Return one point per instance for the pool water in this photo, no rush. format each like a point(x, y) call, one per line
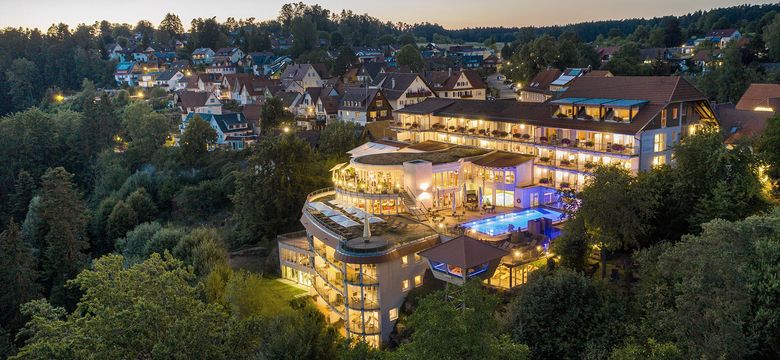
point(499, 225)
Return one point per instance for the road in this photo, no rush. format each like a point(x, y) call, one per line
point(504, 91)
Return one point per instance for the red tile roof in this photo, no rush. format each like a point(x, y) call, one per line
point(758, 95)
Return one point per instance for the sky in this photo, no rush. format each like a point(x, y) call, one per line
point(451, 14)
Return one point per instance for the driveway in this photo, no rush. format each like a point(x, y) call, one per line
point(496, 81)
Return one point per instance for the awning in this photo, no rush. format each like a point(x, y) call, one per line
point(338, 167)
point(344, 221)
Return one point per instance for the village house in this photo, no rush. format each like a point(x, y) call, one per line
point(170, 80)
point(403, 89)
point(551, 82)
point(299, 77)
point(196, 102)
point(362, 105)
point(233, 130)
point(464, 84)
point(127, 73)
point(233, 55)
point(202, 56)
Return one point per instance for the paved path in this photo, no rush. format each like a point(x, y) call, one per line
point(504, 91)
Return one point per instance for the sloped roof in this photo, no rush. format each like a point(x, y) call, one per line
point(359, 95)
point(541, 82)
point(738, 124)
point(191, 99)
point(758, 95)
point(722, 32)
point(464, 252)
point(394, 84)
point(446, 80)
point(656, 89)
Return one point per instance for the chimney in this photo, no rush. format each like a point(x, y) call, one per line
point(449, 71)
point(392, 83)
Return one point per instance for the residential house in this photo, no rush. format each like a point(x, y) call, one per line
point(606, 53)
point(362, 105)
point(747, 119)
point(233, 130)
point(464, 84)
point(403, 89)
point(368, 73)
point(233, 55)
point(706, 60)
point(127, 73)
point(267, 64)
point(202, 56)
point(369, 54)
point(222, 65)
point(299, 77)
point(197, 102)
point(170, 80)
point(721, 37)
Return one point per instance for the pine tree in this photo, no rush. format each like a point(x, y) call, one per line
point(65, 242)
point(24, 190)
point(17, 276)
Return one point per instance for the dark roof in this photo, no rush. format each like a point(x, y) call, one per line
point(429, 105)
point(446, 80)
point(357, 98)
point(722, 32)
point(541, 82)
point(655, 89)
point(371, 69)
point(758, 95)
point(252, 112)
point(191, 99)
point(502, 159)
point(394, 84)
point(738, 124)
point(464, 252)
point(287, 98)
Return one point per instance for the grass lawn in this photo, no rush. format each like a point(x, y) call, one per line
point(276, 296)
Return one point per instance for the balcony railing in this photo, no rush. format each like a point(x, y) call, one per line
point(366, 304)
point(357, 327)
point(587, 145)
point(354, 279)
point(333, 282)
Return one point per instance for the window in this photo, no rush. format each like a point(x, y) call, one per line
point(393, 314)
point(417, 280)
point(659, 160)
point(405, 285)
point(658, 142)
point(405, 260)
point(417, 257)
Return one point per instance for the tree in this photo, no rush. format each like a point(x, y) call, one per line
point(410, 56)
point(196, 139)
point(771, 37)
point(573, 246)
point(121, 220)
point(344, 60)
point(710, 294)
point(171, 24)
point(18, 276)
point(270, 194)
point(22, 78)
point(64, 217)
point(134, 244)
point(768, 147)
point(24, 190)
point(142, 204)
point(615, 211)
point(149, 310)
point(304, 32)
point(672, 33)
point(338, 138)
point(146, 130)
point(458, 323)
point(202, 248)
point(651, 350)
point(552, 311)
point(407, 39)
point(626, 61)
point(272, 114)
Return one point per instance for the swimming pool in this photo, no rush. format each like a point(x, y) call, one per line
point(499, 225)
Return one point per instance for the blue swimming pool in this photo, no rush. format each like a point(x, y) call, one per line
point(499, 224)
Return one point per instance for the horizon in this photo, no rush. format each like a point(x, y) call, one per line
point(60, 12)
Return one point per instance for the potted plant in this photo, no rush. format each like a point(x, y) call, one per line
point(452, 128)
point(517, 136)
point(461, 129)
point(543, 139)
point(618, 147)
point(565, 162)
point(544, 159)
point(482, 131)
point(544, 181)
point(588, 117)
point(565, 142)
point(589, 143)
point(565, 185)
point(589, 165)
point(562, 116)
point(415, 125)
point(472, 130)
point(526, 136)
point(503, 133)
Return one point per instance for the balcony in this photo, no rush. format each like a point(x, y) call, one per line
point(417, 94)
point(499, 135)
point(356, 326)
point(367, 280)
point(324, 294)
point(332, 281)
point(366, 304)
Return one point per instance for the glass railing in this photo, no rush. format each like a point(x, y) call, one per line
point(367, 304)
point(370, 328)
point(354, 278)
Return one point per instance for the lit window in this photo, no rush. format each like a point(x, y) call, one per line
point(393, 313)
point(417, 280)
point(404, 260)
point(659, 160)
point(405, 285)
point(417, 257)
point(659, 143)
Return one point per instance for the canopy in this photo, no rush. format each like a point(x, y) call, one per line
point(344, 221)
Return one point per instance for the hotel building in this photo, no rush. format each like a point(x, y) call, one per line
point(466, 173)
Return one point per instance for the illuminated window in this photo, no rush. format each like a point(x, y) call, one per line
point(405, 285)
point(659, 160)
point(393, 313)
point(417, 257)
point(404, 260)
point(417, 280)
point(659, 143)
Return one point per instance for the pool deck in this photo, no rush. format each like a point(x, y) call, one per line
point(447, 223)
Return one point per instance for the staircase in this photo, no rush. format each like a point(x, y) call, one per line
point(418, 212)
